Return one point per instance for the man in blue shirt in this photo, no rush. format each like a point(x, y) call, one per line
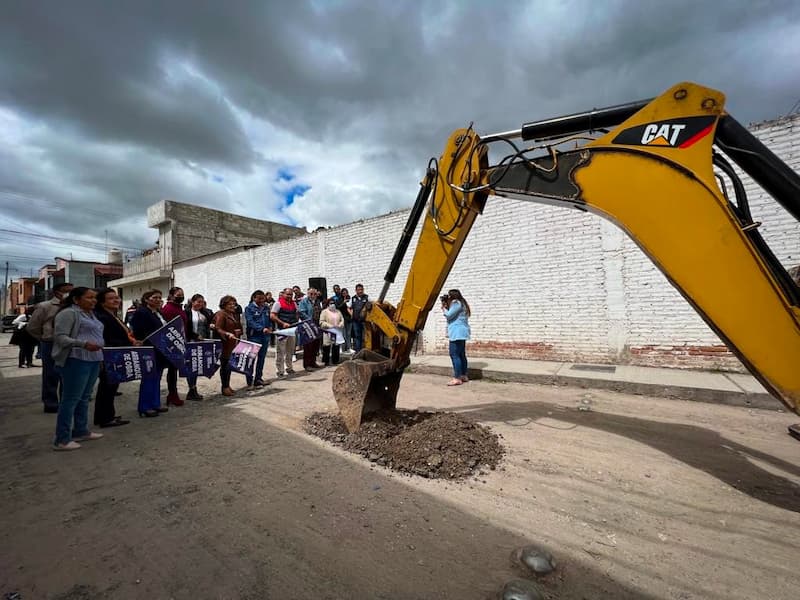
point(310, 308)
point(259, 328)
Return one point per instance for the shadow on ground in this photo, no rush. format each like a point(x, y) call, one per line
point(695, 446)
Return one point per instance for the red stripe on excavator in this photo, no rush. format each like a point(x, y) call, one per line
point(697, 137)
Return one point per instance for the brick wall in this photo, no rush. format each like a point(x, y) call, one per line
point(544, 282)
point(355, 253)
point(663, 328)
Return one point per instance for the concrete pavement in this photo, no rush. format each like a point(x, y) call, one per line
point(704, 386)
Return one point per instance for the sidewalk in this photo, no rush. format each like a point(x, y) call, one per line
point(704, 386)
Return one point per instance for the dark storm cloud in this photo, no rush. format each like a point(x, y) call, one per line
point(132, 102)
point(93, 68)
point(98, 188)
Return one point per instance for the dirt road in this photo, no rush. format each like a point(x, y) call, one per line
point(637, 497)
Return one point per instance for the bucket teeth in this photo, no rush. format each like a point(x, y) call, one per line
point(365, 384)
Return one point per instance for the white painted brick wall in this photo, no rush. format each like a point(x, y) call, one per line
point(543, 282)
point(659, 317)
point(136, 291)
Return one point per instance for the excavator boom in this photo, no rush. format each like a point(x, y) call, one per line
point(653, 174)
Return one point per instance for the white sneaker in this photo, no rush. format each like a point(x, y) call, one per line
point(89, 437)
point(67, 446)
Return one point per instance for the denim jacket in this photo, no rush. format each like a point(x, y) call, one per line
point(257, 318)
point(457, 323)
point(306, 308)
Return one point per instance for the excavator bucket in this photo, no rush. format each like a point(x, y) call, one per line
point(363, 385)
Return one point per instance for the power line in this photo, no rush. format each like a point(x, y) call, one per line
point(19, 252)
point(56, 249)
point(16, 224)
point(15, 195)
point(95, 245)
point(25, 257)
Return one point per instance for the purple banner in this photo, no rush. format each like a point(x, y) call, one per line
point(170, 340)
point(129, 364)
point(243, 358)
point(202, 358)
point(307, 331)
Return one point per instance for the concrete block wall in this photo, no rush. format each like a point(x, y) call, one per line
point(543, 282)
point(187, 231)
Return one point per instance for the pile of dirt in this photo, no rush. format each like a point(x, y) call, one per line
point(433, 445)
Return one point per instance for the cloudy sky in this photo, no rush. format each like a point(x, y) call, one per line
point(325, 111)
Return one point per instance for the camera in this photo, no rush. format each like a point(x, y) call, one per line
point(445, 299)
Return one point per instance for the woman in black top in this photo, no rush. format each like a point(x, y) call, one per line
point(199, 319)
point(114, 334)
point(147, 320)
point(198, 327)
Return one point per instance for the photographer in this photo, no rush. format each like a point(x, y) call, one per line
point(456, 311)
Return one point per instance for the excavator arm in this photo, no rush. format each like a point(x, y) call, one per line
point(652, 172)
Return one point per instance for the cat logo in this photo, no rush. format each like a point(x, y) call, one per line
point(662, 135)
point(672, 133)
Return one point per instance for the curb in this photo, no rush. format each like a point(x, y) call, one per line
point(663, 390)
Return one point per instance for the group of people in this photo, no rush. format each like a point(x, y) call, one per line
point(73, 327)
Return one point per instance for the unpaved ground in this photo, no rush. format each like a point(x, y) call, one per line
point(637, 498)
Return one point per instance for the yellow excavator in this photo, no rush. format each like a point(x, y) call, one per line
point(656, 168)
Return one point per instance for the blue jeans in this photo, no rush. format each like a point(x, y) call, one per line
point(262, 356)
point(150, 392)
point(77, 382)
point(348, 334)
point(358, 335)
point(458, 354)
point(50, 377)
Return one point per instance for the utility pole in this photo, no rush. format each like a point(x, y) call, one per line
point(5, 290)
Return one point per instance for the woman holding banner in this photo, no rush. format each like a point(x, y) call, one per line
point(198, 328)
point(146, 320)
point(229, 329)
point(332, 321)
point(77, 354)
point(115, 334)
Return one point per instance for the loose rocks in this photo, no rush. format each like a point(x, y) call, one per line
point(433, 445)
point(534, 559)
point(520, 589)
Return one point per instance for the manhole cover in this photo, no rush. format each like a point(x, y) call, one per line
point(599, 368)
